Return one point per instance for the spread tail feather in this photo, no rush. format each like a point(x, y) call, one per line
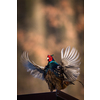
point(81, 83)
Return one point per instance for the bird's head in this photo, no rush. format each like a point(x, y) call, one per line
point(50, 58)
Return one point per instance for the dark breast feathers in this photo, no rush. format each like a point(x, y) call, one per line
point(53, 74)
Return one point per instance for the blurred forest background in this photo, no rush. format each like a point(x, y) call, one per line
point(45, 27)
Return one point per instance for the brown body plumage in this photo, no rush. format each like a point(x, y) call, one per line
point(55, 82)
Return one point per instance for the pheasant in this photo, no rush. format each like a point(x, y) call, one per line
point(57, 76)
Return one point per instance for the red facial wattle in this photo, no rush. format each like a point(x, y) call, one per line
point(49, 58)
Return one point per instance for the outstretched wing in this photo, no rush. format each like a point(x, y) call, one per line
point(70, 62)
point(35, 70)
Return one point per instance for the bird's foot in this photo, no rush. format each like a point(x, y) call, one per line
point(57, 92)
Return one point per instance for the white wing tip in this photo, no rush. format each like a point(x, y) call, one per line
point(71, 55)
point(62, 53)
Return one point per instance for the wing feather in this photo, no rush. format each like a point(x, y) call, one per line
point(67, 52)
point(70, 63)
point(62, 54)
point(34, 69)
point(72, 53)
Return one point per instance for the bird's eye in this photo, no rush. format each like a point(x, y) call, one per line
point(47, 58)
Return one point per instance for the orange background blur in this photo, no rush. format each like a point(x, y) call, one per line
point(45, 27)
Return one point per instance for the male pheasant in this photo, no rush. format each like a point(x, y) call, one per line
point(57, 76)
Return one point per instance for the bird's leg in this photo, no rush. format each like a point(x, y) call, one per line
point(56, 93)
point(56, 90)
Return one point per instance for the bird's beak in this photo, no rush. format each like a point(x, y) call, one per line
point(47, 58)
